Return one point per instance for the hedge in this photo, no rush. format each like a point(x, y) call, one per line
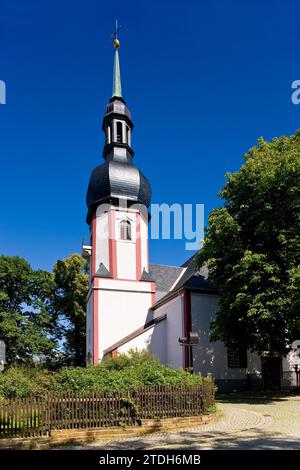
point(121, 373)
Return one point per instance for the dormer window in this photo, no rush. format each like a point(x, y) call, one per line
point(125, 230)
point(119, 132)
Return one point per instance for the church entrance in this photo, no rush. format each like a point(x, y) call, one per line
point(271, 370)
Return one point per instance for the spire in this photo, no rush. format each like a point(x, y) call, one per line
point(117, 124)
point(117, 87)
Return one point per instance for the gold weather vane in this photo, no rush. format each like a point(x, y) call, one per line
point(114, 36)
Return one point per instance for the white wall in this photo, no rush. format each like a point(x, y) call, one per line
point(139, 343)
point(123, 307)
point(101, 246)
point(126, 249)
point(170, 352)
point(153, 340)
point(212, 357)
point(144, 244)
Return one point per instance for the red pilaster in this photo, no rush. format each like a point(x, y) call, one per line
point(187, 325)
point(95, 324)
point(114, 353)
point(153, 293)
point(112, 244)
point(138, 248)
point(93, 267)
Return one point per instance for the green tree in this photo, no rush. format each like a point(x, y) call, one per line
point(26, 322)
point(252, 248)
point(69, 302)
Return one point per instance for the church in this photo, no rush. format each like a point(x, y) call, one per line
point(133, 304)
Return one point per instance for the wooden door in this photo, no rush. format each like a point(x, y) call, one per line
point(271, 370)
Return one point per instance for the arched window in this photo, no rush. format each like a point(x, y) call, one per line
point(119, 132)
point(125, 230)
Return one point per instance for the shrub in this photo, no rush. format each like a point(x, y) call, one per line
point(115, 374)
point(20, 382)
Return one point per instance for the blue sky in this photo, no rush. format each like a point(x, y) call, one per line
point(203, 80)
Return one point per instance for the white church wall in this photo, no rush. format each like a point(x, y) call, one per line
point(140, 343)
point(212, 356)
point(158, 341)
point(144, 244)
point(153, 340)
point(288, 362)
point(126, 249)
point(123, 308)
point(101, 246)
point(171, 353)
point(126, 264)
point(288, 378)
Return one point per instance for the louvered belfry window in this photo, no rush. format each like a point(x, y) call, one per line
point(119, 132)
point(125, 230)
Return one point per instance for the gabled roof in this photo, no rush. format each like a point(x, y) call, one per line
point(171, 279)
point(165, 277)
point(192, 277)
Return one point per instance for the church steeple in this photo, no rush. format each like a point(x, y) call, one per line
point(117, 87)
point(117, 124)
point(118, 198)
point(117, 178)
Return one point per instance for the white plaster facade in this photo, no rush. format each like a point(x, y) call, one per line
point(123, 312)
point(212, 356)
point(119, 303)
point(119, 306)
point(173, 353)
point(161, 340)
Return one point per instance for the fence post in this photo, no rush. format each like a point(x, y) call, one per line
point(49, 410)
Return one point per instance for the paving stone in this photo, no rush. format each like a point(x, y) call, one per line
point(256, 422)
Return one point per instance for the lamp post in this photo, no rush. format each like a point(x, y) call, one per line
point(189, 342)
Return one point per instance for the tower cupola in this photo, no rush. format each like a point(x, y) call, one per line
point(117, 178)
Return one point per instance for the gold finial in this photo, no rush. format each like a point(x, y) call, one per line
point(116, 41)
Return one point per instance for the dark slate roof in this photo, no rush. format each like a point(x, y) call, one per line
point(192, 278)
point(102, 271)
point(146, 276)
point(187, 276)
point(117, 180)
point(165, 277)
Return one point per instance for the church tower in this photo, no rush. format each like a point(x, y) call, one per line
point(118, 197)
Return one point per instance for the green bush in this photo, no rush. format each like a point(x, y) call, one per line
point(121, 373)
point(22, 381)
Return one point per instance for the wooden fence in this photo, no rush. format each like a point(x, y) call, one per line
point(37, 416)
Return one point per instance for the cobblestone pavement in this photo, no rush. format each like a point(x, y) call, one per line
point(257, 422)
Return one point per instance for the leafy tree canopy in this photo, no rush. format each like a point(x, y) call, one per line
point(70, 295)
point(25, 322)
point(252, 249)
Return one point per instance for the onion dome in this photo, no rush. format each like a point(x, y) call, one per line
point(117, 178)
